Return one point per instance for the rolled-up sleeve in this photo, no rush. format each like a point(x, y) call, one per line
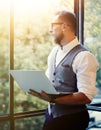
point(85, 67)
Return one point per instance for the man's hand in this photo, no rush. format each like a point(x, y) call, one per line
point(34, 93)
point(43, 95)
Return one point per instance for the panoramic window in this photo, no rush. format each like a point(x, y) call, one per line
point(4, 61)
point(32, 44)
point(92, 40)
point(4, 56)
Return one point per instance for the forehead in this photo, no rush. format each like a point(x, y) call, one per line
point(56, 19)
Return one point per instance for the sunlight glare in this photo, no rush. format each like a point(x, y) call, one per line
point(24, 6)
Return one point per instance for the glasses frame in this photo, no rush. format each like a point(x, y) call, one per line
point(56, 23)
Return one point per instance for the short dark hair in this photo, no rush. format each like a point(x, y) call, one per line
point(68, 17)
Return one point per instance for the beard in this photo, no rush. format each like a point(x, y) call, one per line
point(58, 38)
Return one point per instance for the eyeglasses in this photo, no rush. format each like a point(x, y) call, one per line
point(53, 24)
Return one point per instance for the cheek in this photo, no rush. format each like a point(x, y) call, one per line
point(56, 30)
point(59, 35)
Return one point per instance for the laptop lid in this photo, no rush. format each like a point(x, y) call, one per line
point(33, 79)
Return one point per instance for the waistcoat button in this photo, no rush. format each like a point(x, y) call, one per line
point(54, 73)
point(53, 81)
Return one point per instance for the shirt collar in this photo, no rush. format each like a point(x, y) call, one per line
point(70, 45)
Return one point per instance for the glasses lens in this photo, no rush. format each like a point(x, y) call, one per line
point(53, 24)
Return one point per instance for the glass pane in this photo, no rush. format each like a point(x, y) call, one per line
point(33, 42)
point(4, 56)
point(4, 125)
point(34, 123)
point(92, 40)
point(25, 102)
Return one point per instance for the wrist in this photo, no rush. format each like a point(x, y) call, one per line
point(53, 100)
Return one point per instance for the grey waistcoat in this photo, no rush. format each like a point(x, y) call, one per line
point(64, 80)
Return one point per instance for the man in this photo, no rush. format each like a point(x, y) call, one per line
point(71, 68)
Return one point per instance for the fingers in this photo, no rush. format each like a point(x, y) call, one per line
point(44, 94)
point(34, 93)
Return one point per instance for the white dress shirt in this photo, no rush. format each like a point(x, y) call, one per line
point(84, 66)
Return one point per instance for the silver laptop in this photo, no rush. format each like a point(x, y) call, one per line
point(36, 80)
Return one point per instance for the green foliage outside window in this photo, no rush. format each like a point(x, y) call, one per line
point(92, 32)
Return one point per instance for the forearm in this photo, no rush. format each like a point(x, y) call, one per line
point(75, 98)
